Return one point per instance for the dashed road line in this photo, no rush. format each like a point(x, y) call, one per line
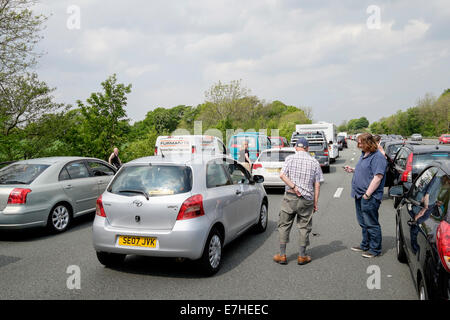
point(338, 193)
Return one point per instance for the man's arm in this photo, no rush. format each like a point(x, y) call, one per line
point(289, 183)
point(316, 195)
point(373, 185)
point(110, 157)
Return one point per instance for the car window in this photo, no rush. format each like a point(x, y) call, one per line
point(402, 157)
point(154, 180)
point(420, 161)
point(239, 141)
point(237, 173)
point(216, 175)
point(77, 170)
point(64, 175)
point(276, 142)
point(99, 169)
point(21, 173)
point(422, 183)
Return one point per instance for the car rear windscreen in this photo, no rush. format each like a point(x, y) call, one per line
point(275, 156)
point(21, 173)
point(422, 160)
point(275, 142)
point(153, 180)
point(316, 146)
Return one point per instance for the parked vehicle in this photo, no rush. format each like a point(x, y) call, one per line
point(51, 191)
point(416, 137)
point(318, 147)
point(269, 165)
point(423, 230)
point(279, 142)
point(410, 160)
point(175, 207)
point(445, 138)
point(391, 147)
point(330, 135)
point(342, 142)
point(189, 144)
point(257, 142)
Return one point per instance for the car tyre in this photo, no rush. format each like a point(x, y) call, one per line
point(59, 219)
point(211, 259)
point(109, 259)
point(263, 219)
point(401, 254)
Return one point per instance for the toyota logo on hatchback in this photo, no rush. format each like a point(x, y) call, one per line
point(137, 203)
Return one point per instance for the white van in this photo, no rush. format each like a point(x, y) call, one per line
point(330, 132)
point(186, 144)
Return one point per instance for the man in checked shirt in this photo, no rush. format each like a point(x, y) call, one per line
point(302, 175)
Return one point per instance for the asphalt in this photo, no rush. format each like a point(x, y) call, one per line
point(33, 265)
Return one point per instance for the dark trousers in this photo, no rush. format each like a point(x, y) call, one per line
point(367, 216)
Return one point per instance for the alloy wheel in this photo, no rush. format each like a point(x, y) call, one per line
point(215, 251)
point(60, 218)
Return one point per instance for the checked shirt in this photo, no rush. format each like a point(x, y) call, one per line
point(304, 171)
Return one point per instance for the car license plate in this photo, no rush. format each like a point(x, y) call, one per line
point(273, 169)
point(137, 241)
point(312, 154)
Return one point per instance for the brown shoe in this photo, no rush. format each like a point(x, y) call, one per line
point(280, 259)
point(303, 260)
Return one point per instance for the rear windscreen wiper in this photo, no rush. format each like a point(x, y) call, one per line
point(137, 191)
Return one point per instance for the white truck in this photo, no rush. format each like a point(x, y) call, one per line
point(330, 131)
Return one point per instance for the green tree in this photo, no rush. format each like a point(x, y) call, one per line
point(105, 120)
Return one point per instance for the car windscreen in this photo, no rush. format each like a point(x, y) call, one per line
point(152, 180)
point(21, 173)
point(392, 149)
point(275, 156)
point(420, 161)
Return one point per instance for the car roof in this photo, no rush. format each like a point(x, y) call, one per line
point(426, 148)
point(279, 149)
point(53, 160)
point(179, 159)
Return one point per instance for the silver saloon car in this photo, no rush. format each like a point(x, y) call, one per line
point(50, 191)
point(169, 207)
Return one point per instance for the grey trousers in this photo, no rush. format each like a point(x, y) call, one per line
point(291, 207)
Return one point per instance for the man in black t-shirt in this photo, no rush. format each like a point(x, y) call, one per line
point(244, 156)
point(114, 159)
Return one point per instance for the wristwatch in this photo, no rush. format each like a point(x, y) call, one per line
point(368, 197)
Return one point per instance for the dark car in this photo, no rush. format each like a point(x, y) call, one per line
point(318, 147)
point(342, 142)
point(423, 230)
point(391, 147)
point(411, 159)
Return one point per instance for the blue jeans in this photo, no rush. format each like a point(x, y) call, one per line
point(367, 215)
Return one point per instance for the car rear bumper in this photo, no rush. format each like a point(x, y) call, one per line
point(22, 218)
point(185, 240)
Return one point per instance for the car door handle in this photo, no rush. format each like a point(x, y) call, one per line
point(100, 182)
point(69, 186)
point(238, 192)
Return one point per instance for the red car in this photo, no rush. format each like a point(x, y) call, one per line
point(279, 142)
point(445, 138)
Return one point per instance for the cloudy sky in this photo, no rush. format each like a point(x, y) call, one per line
point(328, 55)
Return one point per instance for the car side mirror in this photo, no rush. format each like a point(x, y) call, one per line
point(396, 191)
point(258, 179)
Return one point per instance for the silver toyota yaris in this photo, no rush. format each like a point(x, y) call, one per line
point(172, 207)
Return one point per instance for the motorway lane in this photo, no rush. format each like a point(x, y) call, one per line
point(33, 265)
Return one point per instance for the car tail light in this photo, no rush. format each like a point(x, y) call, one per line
point(325, 153)
point(18, 196)
point(407, 174)
point(99, 210)
point(257, 165)
point(193, 149)
point(156, 150)
point(191, 208)
point(443, 244)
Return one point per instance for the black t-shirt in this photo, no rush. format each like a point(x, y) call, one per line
point(242, 154)
point(115, 161)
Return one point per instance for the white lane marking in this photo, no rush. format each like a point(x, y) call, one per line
point(338, 192)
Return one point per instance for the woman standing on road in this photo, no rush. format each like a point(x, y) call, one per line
point(367, 190)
